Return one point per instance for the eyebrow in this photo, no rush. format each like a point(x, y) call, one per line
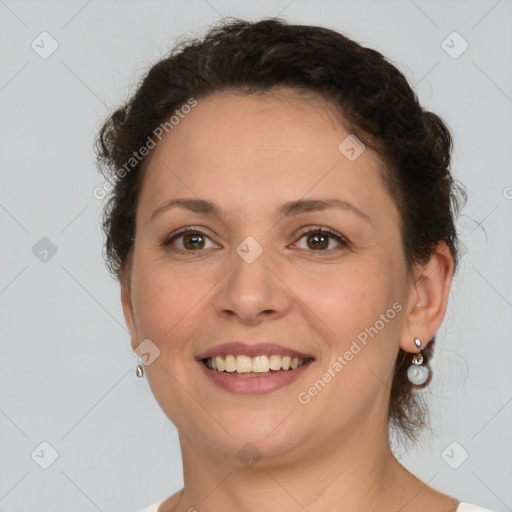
point(287, 210)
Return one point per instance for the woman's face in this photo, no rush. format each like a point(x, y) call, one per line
point(259, 272)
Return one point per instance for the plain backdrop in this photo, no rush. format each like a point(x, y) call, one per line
point(67, 372)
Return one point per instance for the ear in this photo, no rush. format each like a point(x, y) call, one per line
point(428, 299)
point(126, 301)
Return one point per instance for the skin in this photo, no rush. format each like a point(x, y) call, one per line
point(249, 155)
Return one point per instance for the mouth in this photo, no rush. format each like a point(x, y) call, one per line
point(259, 366)
point(253, 369)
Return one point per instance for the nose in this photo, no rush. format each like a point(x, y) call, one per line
point(252, 291)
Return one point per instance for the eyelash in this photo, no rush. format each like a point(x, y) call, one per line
point(318, 230)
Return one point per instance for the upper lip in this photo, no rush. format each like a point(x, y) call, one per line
point(252, 350)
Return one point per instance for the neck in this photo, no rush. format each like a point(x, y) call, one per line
point(356, 473)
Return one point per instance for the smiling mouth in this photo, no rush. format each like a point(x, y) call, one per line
point(259, 366)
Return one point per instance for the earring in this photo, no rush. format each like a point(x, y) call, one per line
point(417, 373)
point(139, 371)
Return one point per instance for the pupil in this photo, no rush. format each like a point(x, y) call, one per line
point(319, 241)
point(194, 239)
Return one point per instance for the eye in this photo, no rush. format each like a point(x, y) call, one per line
point(318, 239)
point(191, 240)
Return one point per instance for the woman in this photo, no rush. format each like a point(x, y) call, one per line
point(282, 227)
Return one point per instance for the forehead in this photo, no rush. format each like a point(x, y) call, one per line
point(254, 148)
point(281, 120)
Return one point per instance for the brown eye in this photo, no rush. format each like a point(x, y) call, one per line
point(191, 240)
point(319, 240)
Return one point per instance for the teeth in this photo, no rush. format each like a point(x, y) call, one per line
point(230, 364)
point(243, 364)
point(259, 364)
point(220, 364)
point(275, 362)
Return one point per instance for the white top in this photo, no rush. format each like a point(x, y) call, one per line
point(463, 507)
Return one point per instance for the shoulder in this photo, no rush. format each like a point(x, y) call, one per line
point(467, 507)
point(463, 507)
point(152, 508)
point(168, 503)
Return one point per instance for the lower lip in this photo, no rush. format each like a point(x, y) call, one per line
point(254, 385)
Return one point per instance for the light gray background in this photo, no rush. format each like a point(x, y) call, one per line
point(67, 370)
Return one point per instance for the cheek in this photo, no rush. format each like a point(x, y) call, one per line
point(345, 299)
point(359, 321)
point(164, 303)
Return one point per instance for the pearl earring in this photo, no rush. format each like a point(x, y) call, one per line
point(417, 373)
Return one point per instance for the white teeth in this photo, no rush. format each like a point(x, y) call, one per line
point(259, 364)
point(220, 363)
point(275, 362)
point(243, 364)
point(230, 364)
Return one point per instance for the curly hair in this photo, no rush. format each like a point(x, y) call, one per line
point(374, 100)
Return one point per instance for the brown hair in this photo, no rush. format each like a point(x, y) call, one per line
point(373, 97)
